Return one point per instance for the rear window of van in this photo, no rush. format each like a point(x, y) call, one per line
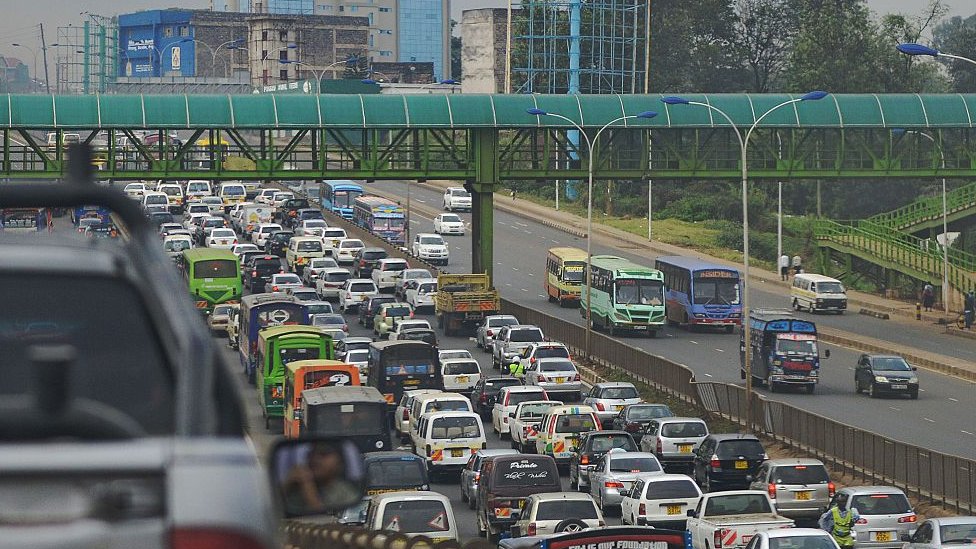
point(525, 472)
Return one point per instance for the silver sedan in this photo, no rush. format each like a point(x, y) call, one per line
point(616, 472)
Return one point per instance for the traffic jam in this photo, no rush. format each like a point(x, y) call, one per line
point(409, 402)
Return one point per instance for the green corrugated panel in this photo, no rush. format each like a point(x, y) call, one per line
point(428, 110)
point(636, 104)
point(785, 116)
point(253, 111)
point(597, 112)
point(691, 115)
point(904, 111)
point(510, 109)
point(297, 111)
point(969, 100)
point(821, 114)
point(471, 110)
point(166, 111)
point(4, 109)
point(208, 111)
point(860, 110)
point(343, 111)
point(385, 111)
point(33, 111)
point(944, 110)
point(79, 112)
point(122, 111)
point(740, 109)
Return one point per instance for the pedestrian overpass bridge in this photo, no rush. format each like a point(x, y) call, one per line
point(486, 139)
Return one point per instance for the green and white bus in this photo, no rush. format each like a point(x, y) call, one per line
point(626, 296)
point(213, 276)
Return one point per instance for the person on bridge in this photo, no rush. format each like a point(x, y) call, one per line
point(839, 524)
point(517, 369)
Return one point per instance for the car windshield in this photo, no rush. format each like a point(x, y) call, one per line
point(573, 271)
point(638, 291)
point(310, 246)
point(557, 366)
point(460, 193)
point(893, 364)
point(802, 542)
point(800, 474)
point(415, 516)
point(728, 449)
point(830, 288)
point(716, 291)
point(357, 355)
point(452, 427)
point(233, 190)
point(525, 472)
point(222, 233)
point(796, 346)
point(177, 245)
point(619, 393)
point(496, 385)
point(268, 229)
point(362, 287)
point(221, 310)
point(334, 233)
point(351, 244)
point(566, 509)
point(450, 218)
point(215, 268)
point(685, 429)
point(447, 405)
point(415, 273)
point(427, 288)
point(458, 353)
point(739, 504)
point(384, 473)
point(529, 411)
point(117, 349)
point(397, 311)
point(517, 397)
point(214, 222)
point(526, 335)
point(288, 279)
point(322, 263)
point(318, 308)
point(500, 321)
point(958, 533)
point(634, 465)
point(466, 367)
point(639, 413)
point(881, 504)
point(198, 208)
point(313, 223)
point(338, 276)
point(328, 320)
point(552, 352)
point(394, 266)
point(435, 240)
point(672, 489)
point(374, 254)
point(575, 423)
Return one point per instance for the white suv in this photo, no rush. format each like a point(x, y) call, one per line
point(431, 247)
point(355, 291)
point(456, 198)
point(386, 272)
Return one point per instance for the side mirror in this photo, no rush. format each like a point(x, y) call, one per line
point(316, 476)
point(691, 513)
point(511, 415)
point(914, 368)
point(826, 353)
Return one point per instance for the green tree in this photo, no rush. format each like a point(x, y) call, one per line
point(958, 36)
point(764, 32)
point(455, 53)
point(904, 73)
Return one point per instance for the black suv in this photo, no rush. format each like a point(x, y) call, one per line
point(277, 242)
point(368, 310)
point(258, 272)
point(728, 461)
point(591, 446)
point(486, 391)
point(366, 260)
point(288, 211)
point(889, 374)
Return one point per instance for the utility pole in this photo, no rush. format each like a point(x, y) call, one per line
point(47, 81)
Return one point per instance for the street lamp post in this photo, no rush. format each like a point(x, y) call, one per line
point(320, 74)
point(33, 54)
point(743, 147)
point(913, 50)
point(589, 200)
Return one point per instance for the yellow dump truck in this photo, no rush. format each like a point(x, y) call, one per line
point(463, 301)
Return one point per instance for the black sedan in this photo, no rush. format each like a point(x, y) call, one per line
point(891, 374)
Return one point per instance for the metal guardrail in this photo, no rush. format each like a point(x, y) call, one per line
point(307, 535)
point(942, 479)
point(927, 209)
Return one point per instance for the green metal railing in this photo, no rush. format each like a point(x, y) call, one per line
point(928, 209)
point(914, 256)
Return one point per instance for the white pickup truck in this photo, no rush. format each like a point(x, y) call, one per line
point(520, 423)
point(725, 520)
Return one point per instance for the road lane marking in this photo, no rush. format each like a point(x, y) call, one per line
point(720, 350)
point(968, 433)
point(895, 409)
point(531, 274)
point(519, 223)
point(422, 201)
point(507, 284)
point(540, 295)
point(524, 290)
point(929, 420)
point(514, 268)
point(952, 399)
point(708, 375)
point(693, 341)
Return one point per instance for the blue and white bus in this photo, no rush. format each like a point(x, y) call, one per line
point(339, 195)
point(700, 293)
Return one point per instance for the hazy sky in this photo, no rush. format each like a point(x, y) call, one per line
point(21, 17)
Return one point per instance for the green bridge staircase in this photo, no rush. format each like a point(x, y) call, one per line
point(897, 251)
point(925, 214)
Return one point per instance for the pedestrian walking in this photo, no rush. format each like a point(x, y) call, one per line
point(797, 264)
point(513, 195)
point(969, 304)
point(928, 296)
point(784, 267)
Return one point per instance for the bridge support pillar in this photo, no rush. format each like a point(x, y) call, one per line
point(484, 155)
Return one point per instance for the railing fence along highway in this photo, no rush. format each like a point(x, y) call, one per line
point(337, 536)
point(942, 479)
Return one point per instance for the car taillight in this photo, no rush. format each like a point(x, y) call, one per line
point(717, 537)
point(576, 377)
point(659, 448)
point(861, 520)
point(254, 273)
point(530, 530)
point(584, 459)
point(490, 333)
point(477, 476)
point(599, 406)
point(831, 488)
point(211, 538)
point(715, 463)
point(771, 488)
point(642, 509)
point(910, 518)
point(235, 241)
point(613, 484)
point(406, 415)
point(362, 263)
point(274, 288)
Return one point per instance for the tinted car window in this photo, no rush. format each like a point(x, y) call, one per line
point(516, 398)
point(461, 368)
point(337, 276)
point(630, 465)
point(399, 472)
point(374, 254)
point(552, 352)
point(557, 366)
point(310, 246)
point(495, 385)
point(362, 287)
point(525, 472)
point(647, 412)
point(120, 362)
point(398, 311)
point(575, 423)
point(800, 474)
point(668, 489)
point(415, 516)
point(559, 510)
point(881, 504)
point(682, 430)
point(455, 427)
point(526, 335)
point(735, 448)
point(808, 542)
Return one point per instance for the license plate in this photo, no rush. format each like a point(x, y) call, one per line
point(461, 379)
point(457, 452)
point(559, 379)
point(899, 386)
point(685, 448)
point(640, 327)
point(739, 464)
point(674, 509)
point(802, 496)
point(618, 408)
point(883, 536)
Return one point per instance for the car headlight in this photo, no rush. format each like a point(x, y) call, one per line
point(699, 315)
point(913, 380)
point(881, 379)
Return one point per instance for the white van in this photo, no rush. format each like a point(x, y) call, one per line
point(196, 188)
point(232, 193)
point(447, 439)
point(818, 293)
point(437, 402)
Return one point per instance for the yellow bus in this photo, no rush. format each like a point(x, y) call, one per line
point(564, 275)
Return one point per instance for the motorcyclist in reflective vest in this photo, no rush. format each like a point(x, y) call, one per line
point(517, 369)
point(839, 524)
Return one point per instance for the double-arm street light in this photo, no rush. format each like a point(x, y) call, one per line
point(590, 153)
point(743, 147)
point(317, 71)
